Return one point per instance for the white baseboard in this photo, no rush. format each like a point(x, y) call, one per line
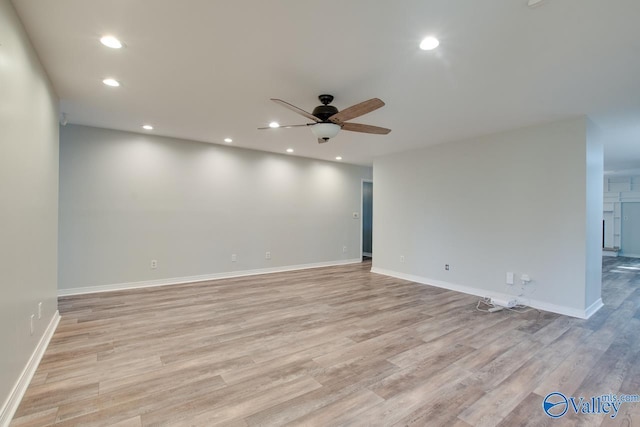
point(540, 305)
point(593, 308)
point(201, 278)
point(628, 255)
point(13, 401)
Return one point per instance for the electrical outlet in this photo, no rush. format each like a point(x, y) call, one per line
point(267, 255)
point(344, 249)
point(509, 279)
point(154, 264)
point(234, 258)
point(401, 258)
point(39, 310)
point(446, 267)
point(31, 323)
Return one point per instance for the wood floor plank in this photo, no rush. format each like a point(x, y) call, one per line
point(117, 406)
point(338, 382)
point(500, 400)
point(277, 364)
point(329, 346)
point(383, 346)
point(492, 349)
point(238, 410)
point(408, 400)
point(421, 372)
point(527, 414)
point(612, 368)
point(36, 419)
point(444, 409)
point(339, 411)
point(248, 390)
point(571, 372)
point(131, 422)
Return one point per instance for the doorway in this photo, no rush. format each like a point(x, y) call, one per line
point(630, 230)
point(367, 219)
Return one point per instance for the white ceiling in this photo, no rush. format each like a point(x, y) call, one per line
point(205, 69)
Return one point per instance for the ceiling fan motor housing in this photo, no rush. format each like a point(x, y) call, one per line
point(324, 111)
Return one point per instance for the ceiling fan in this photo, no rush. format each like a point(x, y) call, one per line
point(327, 120)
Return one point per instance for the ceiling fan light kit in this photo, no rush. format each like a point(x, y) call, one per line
point(328, 121)
point(325, 131)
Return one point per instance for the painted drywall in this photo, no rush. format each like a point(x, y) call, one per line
point(127, 199)
point(618, 189)
point(511, 202)
point(594, 206)
point(29, 197)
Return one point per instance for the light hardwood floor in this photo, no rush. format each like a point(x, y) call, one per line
point(329, 346)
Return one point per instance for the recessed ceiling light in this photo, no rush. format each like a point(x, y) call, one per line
point(429, 43)
point(112, 42)
point(274, 125)
point(147, 127)
point(228, 140)
point(111, 82)
point(338, 158)
point(289, 150)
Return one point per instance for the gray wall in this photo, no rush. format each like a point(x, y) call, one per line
point(29, 194)
point(511, 202)
point(128, 198)
point(594, 215)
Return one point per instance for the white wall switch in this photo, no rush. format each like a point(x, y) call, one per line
point(510, 278)
point(234, 257)
point(267, 255)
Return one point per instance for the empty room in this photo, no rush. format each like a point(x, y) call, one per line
point(354, 213)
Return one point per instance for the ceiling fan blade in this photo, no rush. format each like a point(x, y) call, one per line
point(292, 107)
point(358, 127)
point(356, 110)
point(287, 126)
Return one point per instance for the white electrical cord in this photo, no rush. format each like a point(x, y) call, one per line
point(521, 308)
point(486, 302)
point(491, 308)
